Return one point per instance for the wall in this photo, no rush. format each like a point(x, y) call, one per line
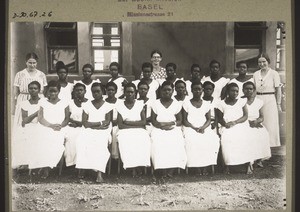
point(181, 43)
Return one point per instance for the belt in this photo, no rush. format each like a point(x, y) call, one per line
point(266, 93)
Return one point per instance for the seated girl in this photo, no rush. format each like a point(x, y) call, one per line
point(134, 140)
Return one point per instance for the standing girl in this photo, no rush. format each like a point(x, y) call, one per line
point(195, 75)
point(168, 150)
point(180, 88)
point(202, 143)
point(49, 143)
point(92, 142)
point(65, 86)
point(87, 71)
point(235, 143)
point(120, 81)
point(134, 140)
point(267, 82)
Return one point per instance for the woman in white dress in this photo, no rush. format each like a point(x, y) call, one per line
point(21, 136)
point(75, 123)
point(133, 138)
point(267, 82)
point(195, 75)
point(242, 77)
point(111, 89)
point(48, 143)
point(147, 69)
point(92, 142)
point(216, 78)
point(201, 142)
point(168, 151)
point(120, 81)
point(235, 143)
point(88, 71)
point(65, 86)
point(259, 134)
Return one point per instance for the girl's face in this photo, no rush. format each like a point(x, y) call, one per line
point(143, 90)
point(53, 93)
point(97, 92)
point(233, 92)
point(156, 59)
point(87, 73)
point(197, 90)
point(263, 63)
point(33, 90)
point(147, 72)
point(170, 71)
point(248, 90)
point(114, 71)
point(208, 90)
point(215, 69)
point(79, 92)
point(31, 64)
point(62, 74)
point(166, 92)
point(130, 93)
point(242, 69)
point(196, 73)
point(180, 88)
point(111, 91)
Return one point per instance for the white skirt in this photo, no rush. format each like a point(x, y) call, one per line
point(168, 149)
point(47, 147)
point(92, 149)
point(135, 147)
point(114, 144)
point(201, 149)
point(70, 145)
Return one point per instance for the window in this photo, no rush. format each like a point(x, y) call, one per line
point(280, 46)
point(61, 40)
point(106, 45)
point(248, 42)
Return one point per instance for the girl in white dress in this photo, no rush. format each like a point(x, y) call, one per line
point(147, 70)
point(201, 142)
point(195, 75)
point(134, 140)
point(92, 142)
point(242, 77)
point(259, 134)
point(65, 86)
point(48, 144)
point(235, 143)
point(87, 71)
point(216, 78)
point(180, 88)
point(111, 89)
point(168, 150)
point(143, 89)
point(75, 123)
point(120, 81)
point(22, 135)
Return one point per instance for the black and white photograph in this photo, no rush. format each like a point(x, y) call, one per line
point(137, 116)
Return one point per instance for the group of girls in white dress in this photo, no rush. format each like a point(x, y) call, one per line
point(143, 122)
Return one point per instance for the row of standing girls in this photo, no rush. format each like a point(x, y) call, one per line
point(170, 122)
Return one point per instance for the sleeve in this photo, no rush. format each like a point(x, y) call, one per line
point(243, 101)
point(24, 105)
point(276, 79)
point(154, 106)
point(44, 79)
point(17, 80)
point(109, 107)
point(85, 107)
point(220, 105)
point(179, 107)
point(185, 106)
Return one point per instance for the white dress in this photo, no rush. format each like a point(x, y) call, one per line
point(236, 145)
point(201, 149)
point(219, 85)
point(168, 149)
point(134, 143)
point(120, 88)
point(72, 134)
point(240, 84)
point(259, 136)
point(88, 93)
point(148, 105)
point(66, 92)
point(47, 144)
point(21, 137)
point(92, 144)
point(153, 86)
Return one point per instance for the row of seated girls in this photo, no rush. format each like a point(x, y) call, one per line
point(145, 122)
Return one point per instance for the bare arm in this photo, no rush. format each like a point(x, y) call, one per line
point(278, 98)
point(27, 119)
point(240, 120)
point(220, 117)
point(67, 117)
point(208, 121)
point(185, 122)
point(43, 121)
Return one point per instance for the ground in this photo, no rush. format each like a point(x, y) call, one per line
point(264, 189)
